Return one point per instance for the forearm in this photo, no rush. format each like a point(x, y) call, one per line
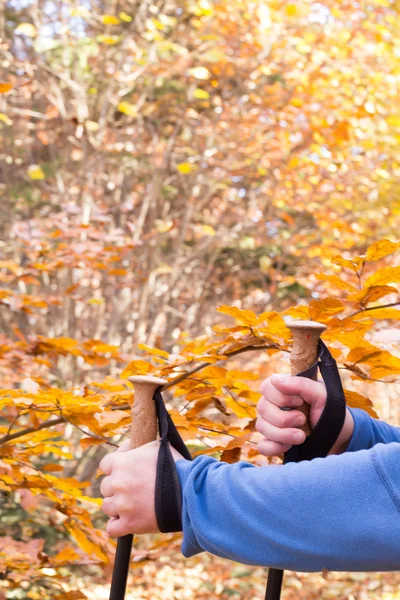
point(333, 513)
point(368, 432)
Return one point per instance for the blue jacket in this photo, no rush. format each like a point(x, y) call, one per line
point(340, 513)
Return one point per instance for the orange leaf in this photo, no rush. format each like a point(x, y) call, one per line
point(372, 294)
point(353, 264)
point(5, 87)
point(337, 282)
point(243, 316)
point(355, 400)
point(52, 467)
point(323, 309)
point(381, 249)
point(384, 276)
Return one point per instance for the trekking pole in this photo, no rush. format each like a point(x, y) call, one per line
point(303, 356)
point(143, 431)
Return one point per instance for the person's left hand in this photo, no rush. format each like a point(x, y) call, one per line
point(129, 489)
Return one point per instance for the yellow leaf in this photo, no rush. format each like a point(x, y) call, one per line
point(110, 20)
point(110, 417)
point(164, 226)
point(349, 264)
point(199, 73)
point(65, 556)
point(384, 276)
point(136, 367)
point(325, 308)
point(385, 313)
point(35, 172)
point(154, 351)
point(5, 119)
point(185, 168)
point(85, 543)
point(5, 87)
point(291, 10)
point(372, 294)
point(201, 94)
point(27, 29)
point(241, 410)
point(298, 102)
point(110, 40)
point(381, 249)
point(337, 282)
point(128, 109)
point(163, 270)
point(355, 400)
point(246, 317)
point(265, 263)
point(208, 230)
point(125, 17)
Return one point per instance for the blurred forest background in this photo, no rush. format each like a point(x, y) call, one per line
point(160, 159)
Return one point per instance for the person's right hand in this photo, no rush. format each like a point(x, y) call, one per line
point(280, 429)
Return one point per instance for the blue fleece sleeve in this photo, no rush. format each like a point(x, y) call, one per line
point(368, 431)
point(341, 513)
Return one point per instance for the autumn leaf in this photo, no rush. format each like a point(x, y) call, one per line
point(185, 168)
point(109, 40)
point(380, 249)
point(246, 317)
point(4, 88)
point(201, 94)
point(383, 277)
point(84, 542)
point(128, 109)
point(125, 17)
point(353, 264)
point(35, 172)
point(26, 29)
point(372, 294)
point(356, 400)
point(110, 20)
point(323, 309)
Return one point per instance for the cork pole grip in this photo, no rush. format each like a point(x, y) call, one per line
point(144, 418)
point(304, 352)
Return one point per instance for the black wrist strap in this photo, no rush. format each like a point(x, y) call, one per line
point(324, 435)
point(168, 498)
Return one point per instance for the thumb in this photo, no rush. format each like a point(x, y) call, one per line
point(124, 447)
point(312, 392)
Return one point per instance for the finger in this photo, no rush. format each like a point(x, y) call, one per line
point(280, 418)
point(106, 489)
point(307, 389)
point(272, 394)
point(109, 508)
point(126, 445)
point(277, 434)
point(268, 448)
point(117, 527)
point(107, 463)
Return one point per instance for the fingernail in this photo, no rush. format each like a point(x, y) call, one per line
point(299, 436)
point(279, 378)
point(300, 420)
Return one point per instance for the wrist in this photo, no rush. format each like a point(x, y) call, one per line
point(345, 435)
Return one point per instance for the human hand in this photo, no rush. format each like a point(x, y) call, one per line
point(279, 427)
point(129, 489)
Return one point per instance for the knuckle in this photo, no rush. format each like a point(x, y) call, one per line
point(259, 424)
point(261, 404)
point(265, 385)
